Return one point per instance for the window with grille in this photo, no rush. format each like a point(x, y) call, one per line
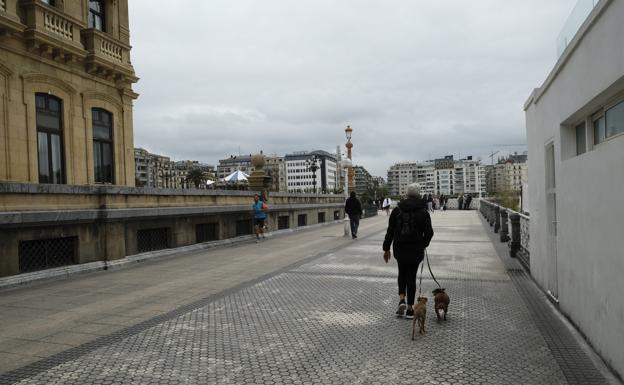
point(43, 254)
point(243, 227)
point(302, 219)
point(152, 239)
point(283, 222)
point(206, 232)
point(321, 217)
point(50, 138)
point(102, 122)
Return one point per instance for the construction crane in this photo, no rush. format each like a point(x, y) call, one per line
point(492, 157)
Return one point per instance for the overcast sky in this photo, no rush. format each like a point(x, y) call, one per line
point(415, 79)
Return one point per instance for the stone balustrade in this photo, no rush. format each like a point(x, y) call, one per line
point(52, 32)
point(106, 55)
point(2, 5)
point(45, 226)
point(513, 228)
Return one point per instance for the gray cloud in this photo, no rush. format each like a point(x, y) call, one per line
point(414, 79)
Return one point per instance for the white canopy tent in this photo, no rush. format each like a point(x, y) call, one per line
point(236, 177)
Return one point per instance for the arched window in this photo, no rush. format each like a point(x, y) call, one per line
point(96, 15)
point(50, 138)
point(102, 122)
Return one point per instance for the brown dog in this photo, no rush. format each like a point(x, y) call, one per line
point(441, 302)
point(420, 313)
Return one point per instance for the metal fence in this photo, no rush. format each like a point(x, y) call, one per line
point(513, 227)
point(43, 254)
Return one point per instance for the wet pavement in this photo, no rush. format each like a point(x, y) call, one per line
point(328, 318)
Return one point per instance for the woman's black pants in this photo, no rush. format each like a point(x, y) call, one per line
point(407, 278)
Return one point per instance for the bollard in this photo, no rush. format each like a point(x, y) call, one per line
point(504, 231)
point(497, 223)
point(514, 246)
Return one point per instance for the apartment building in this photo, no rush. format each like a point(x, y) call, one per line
point(300, 176)
point(444, 176)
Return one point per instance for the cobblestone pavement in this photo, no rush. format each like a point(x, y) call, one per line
point(331, 321)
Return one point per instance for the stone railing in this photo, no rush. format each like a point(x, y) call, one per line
point(83, 224)
point(50, 30)
point(512, 227)
point(106, 54)
point(58, 25)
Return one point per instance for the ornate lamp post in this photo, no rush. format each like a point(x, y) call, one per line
point(312, 165)
point(346, 164)
point(349, 145)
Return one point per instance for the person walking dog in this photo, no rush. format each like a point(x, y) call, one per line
point(353, 208)
point(409, 233)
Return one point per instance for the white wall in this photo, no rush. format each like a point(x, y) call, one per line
point(590, 187)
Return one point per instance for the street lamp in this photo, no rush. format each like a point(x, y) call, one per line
point(312, 165)
point(346, 164)
point(349, 145)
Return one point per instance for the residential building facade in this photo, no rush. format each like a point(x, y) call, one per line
point(300, 177)
point(233, 163)
point(159, 171)
point(66, 92)
point(575, 131)
point(364, 182)
point(445, 176)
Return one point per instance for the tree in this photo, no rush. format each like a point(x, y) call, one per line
point(195, 176)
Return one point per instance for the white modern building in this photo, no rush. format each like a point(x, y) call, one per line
point(575, 131)
point(299, 175)
point(444, 176)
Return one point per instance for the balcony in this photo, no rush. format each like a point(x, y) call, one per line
point(107, 56)
point(9, 21)
point(52, 33)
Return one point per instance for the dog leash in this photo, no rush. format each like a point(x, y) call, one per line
point(430, 272)
point(422, 266)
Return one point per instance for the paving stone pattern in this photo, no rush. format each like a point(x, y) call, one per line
point(330, 321)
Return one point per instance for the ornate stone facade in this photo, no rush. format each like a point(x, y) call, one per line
point(66, 92)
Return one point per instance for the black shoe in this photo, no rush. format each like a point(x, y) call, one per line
point(409, 314)
point(401, 310)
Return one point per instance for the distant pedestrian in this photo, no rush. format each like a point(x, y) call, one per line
point(430, 203)
point(467, 202)
point(387, 202)
point(409, 233)
point(460, 202)
point(353, 208)
point(260, 209)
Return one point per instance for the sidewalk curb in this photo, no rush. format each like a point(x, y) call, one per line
point(69, 271)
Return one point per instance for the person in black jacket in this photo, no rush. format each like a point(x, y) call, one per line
point(409, 232)
point(353, 208)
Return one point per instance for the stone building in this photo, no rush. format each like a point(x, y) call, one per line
point(276, 169)
point(509, 175)
point(66, 92)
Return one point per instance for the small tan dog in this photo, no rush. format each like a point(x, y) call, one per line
point(420, 314)
point(441, 303)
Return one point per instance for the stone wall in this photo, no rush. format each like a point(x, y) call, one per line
point(105, 223)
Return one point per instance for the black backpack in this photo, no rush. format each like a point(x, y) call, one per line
point(406, 227)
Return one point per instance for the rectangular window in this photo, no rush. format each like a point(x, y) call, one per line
point(283, 222)
point(49, 139)
point(302, 220)
point(102, 145)
point(580, 139)
point(599, 130)
point(206, 232)
point(96, 15)
point(614, 118)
